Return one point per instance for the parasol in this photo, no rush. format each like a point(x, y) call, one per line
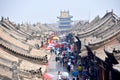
point(48, 76)
point(65, 75)
point(75, 73)
point(56, 38)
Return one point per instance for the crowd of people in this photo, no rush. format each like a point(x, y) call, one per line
point(72, 62)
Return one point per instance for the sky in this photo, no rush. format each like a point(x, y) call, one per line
point(46, 11)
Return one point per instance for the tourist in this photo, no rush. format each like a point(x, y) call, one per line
point(73, 79)
point(80, 69)
point(59, 76)
point(77, 78)
point(68, 65)
point(72, 67)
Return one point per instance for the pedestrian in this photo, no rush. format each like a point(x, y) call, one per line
point(68, 66)
point(72, 67)
point(77, 78)
point(59, 76)
point(80, 78)
point(73, 79)
point(85, 73)
point(61, 61)
point(80, 69)
point(56, 58)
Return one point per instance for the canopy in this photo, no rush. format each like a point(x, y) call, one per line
point(48, 76)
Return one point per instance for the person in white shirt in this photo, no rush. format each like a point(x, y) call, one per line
point(59, 76)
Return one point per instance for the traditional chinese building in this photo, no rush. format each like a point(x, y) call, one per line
point(65, 20)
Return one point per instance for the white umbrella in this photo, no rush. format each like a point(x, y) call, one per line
point(65, 42)
point(65, 75)
point(50, 46)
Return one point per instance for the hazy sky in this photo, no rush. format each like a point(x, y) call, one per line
point(46, 11)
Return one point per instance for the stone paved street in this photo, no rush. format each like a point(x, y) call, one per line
point(54, 67)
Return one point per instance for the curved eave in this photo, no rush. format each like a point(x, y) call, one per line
point(65, 21)
point(60, 17)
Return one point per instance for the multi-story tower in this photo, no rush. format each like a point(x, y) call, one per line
point(65, 20)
